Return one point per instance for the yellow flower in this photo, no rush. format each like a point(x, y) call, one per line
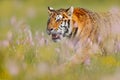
point(109, 61)
point(4, 75)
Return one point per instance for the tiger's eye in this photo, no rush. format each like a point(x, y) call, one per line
point(59, 17)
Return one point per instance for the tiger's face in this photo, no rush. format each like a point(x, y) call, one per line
point(59, 23)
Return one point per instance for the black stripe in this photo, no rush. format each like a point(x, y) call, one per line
point(69, 27)
point(68, 23)
point(66, 27)
point(75, 31)
point(65, 23)
point(70, 35)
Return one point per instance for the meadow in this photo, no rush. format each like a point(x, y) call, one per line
point(28, 53)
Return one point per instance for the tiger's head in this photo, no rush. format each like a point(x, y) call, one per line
point(59, 23)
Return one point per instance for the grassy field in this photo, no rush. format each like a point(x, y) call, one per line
point(27, 53)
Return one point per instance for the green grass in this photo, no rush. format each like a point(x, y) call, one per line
point(27, 53)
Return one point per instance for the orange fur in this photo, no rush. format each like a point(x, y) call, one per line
point(89, 29)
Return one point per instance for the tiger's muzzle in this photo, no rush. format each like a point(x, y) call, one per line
point(56, 36)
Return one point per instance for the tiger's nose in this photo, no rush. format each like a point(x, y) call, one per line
point(49, 31)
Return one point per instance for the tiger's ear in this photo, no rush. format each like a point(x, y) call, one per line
point(70, 10)
point(50, 10)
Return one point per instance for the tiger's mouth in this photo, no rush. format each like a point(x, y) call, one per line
point(55, 37)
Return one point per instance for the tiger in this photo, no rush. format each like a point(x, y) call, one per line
point(90, 32)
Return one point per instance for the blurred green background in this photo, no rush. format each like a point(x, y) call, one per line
point(28, 54)
point(34, 12)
